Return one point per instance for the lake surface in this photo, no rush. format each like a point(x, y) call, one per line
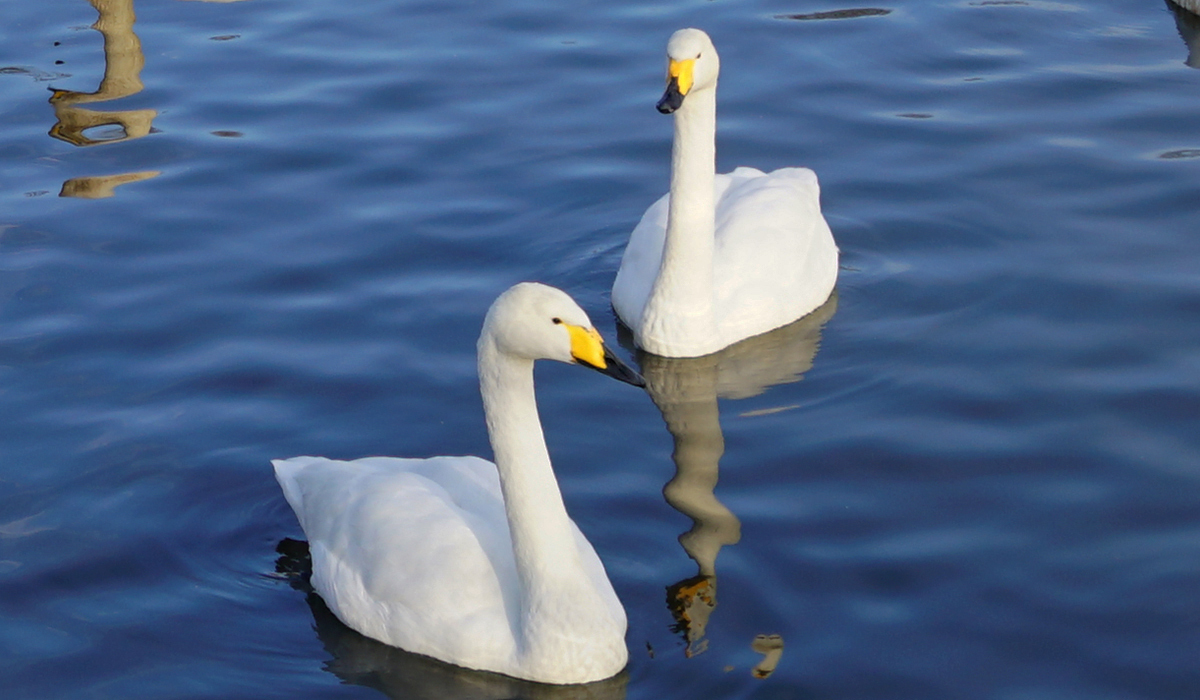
point(237, 231)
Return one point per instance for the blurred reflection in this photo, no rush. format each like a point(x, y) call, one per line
point(771, 647)
point(398, 674)
point(123, 62)
point(1188, 24)
point(102, 186)
point(686, 392)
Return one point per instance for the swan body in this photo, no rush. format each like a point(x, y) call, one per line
point(720, 258)
point(469, 562)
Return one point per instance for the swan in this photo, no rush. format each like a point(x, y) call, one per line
point(719, 258)
point(469, 562)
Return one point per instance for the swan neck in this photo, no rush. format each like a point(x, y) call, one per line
point(691, 213)
point(542, 535)
point(679, 317)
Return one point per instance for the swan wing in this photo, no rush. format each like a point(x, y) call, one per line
point(640, 263)
point(596, 573)
point(774, 259)
point(414, 553)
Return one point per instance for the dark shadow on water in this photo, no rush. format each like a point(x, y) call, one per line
point(852, 13)
point(400, 675)
point(1188, 25)
point(686, 391)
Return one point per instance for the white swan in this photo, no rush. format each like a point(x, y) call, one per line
point(721, 257)
point(473, 563)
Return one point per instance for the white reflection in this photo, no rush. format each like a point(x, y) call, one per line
point(686, 392)
point(1187, 21)
point(398, 674)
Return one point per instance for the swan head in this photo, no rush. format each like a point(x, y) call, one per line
point(692, 64)
point(534, 321)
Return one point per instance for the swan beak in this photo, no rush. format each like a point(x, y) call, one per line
point(679, 82)
point(589, 350)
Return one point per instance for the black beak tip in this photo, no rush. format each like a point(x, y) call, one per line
point(617, 369)
point(671, 99)
point(635, 379)
point(669, 102)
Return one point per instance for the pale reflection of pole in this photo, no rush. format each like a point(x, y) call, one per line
point(686, 392)
point(1187, 21)
point(123, 62)
point(102, 186)
point(771, 647)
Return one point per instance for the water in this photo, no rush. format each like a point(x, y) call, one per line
point(275, 229)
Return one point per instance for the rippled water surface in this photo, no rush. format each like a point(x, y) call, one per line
point(237, 231)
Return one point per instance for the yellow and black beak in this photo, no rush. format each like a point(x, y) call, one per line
point(679, 82)
point(589, 350)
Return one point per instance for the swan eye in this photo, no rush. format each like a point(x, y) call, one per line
point(557, 321)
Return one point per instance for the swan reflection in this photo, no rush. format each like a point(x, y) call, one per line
point(1188, 24)
point(686, 392)
point(396, 673)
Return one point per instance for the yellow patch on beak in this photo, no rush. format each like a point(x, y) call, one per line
point(681, 71)
point(586, 346)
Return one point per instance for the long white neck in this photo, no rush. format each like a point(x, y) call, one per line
point(543, 542)
point(680, 305)
point(555, 586)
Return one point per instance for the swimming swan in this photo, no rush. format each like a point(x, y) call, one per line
point(721, 257)
point(473, 563)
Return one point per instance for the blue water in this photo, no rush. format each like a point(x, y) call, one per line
point(261, 229)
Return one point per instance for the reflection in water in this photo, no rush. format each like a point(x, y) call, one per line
point(1188, 24)
point(123, 62)
point(102, 186)
point(399, 674)
point(839, 14)
point(771, 647)
point(686, 392)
